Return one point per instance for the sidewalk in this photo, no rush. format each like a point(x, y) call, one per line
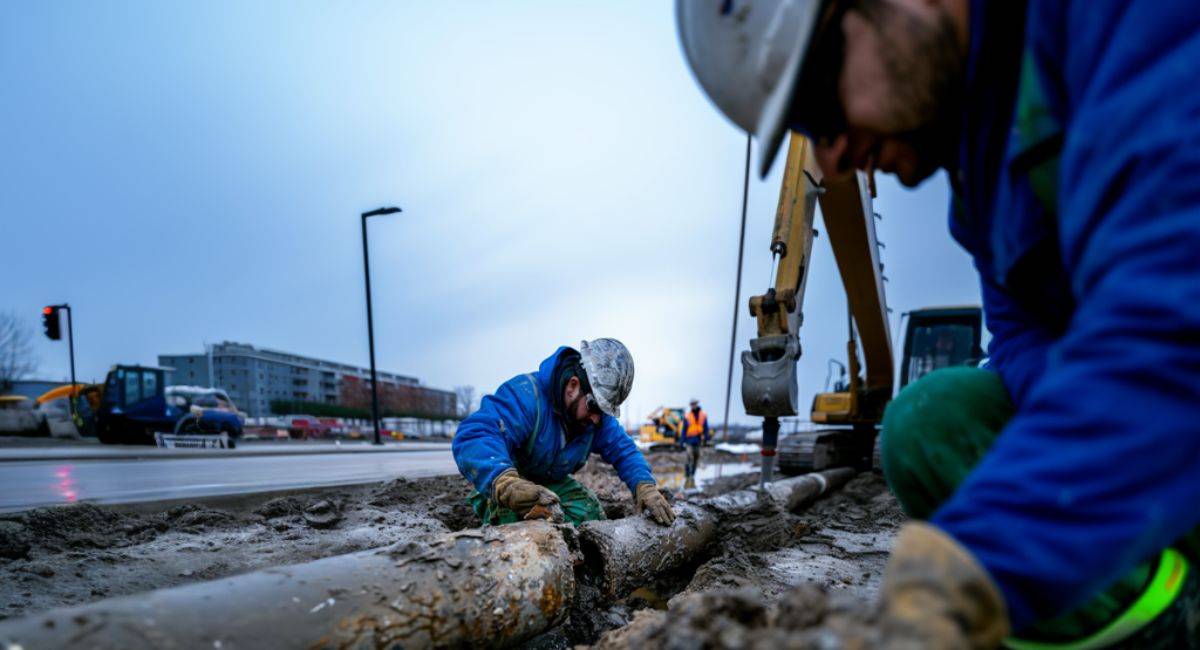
point(245, 448)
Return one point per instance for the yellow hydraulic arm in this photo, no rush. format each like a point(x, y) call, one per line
point(769, 384)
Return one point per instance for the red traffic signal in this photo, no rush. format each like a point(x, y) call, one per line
point(50, 323)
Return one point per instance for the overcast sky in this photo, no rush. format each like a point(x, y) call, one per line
point(184, 173)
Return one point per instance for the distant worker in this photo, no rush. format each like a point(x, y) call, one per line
point(695, 435)
point(1055, 490)
point(522, 445)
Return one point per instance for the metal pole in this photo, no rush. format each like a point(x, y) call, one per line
point(769, 440)
point(737, 291)
point(371, 336)
point(370, 320)
point(71, 347)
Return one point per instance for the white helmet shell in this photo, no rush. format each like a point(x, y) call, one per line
point(609, 368)
point(747, 56)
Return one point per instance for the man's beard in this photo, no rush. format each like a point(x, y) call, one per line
point(575, 426)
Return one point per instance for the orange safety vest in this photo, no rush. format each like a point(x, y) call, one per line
point(695, 424)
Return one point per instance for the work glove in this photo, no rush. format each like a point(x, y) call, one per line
point(525, 498)
point(936, 595)
point(650, 499)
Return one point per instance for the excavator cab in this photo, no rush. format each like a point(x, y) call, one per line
point(664, 429)
point(940, 338)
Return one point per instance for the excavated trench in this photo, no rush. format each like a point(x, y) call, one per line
point(67, 556)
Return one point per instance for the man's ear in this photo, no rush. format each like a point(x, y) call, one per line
point(572, 387)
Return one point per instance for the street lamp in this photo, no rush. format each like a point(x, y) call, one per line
point(370, 321)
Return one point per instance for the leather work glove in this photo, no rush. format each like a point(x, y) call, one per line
point(650, 499)
point(523, 497)
point(936, 595)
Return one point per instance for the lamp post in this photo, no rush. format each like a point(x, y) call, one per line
point(370, 321)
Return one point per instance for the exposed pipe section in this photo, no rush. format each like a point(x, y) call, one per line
point(491, 586)
point(624, 554)
point(796, 493)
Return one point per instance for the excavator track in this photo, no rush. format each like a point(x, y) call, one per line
point(814, 451)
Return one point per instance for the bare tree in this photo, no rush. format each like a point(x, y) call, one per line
point(465, 396)
point(16, 351)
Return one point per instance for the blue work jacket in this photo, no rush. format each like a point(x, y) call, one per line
point(1078, 195)
point(518, 428)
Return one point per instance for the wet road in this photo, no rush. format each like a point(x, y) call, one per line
point(28, 484)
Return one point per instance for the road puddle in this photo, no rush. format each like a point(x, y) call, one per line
point(708, 472)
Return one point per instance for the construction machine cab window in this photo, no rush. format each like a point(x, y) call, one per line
point(138, 384)
point(938, 346)
point(940, 338)
point(133, 386)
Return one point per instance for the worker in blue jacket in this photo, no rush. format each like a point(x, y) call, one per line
point(1057, 489)
point(521, 447)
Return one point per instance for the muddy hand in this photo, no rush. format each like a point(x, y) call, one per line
point(520, 495)
point(936, 594)
point(650, 499)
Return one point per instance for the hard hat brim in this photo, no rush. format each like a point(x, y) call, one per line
point(772, 122)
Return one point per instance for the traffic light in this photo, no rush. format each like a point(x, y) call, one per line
point(50, 323)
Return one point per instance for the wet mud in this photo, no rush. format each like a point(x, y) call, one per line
point(812, 590)
point(69, 555)
point(770, 571)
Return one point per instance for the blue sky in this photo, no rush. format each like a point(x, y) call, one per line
point(184, 173)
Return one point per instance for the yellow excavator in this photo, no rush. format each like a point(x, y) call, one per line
point(850, 415)
point(664, 429)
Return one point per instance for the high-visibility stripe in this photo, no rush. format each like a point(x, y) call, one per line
point(1163, 589)
point(695, 425)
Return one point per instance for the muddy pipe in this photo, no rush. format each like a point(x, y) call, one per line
point(798, 492)
point(482, 587)
point(624, 554)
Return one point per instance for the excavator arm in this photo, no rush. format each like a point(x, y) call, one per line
point(769, 382)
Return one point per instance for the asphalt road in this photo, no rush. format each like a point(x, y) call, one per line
point(29, 483)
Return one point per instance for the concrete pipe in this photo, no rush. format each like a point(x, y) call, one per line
point(798, 492)
point(624, 554)
point(481, 587)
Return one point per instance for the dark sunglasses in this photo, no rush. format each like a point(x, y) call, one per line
point(816, 109)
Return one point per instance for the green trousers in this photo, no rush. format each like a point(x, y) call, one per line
point(934, 433)
point(579, 504)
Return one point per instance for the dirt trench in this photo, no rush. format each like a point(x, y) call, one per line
point(71, 555)
point(54, 557)
point(776, 577)
point(813, 590)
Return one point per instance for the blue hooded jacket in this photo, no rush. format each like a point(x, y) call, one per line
point(518, 428)
point(1079, 199)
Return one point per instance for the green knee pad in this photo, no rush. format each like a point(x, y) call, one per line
point(936, 430)
point(578, 503)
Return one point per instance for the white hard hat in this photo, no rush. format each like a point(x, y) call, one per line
point(747, 56)
point(609, 368)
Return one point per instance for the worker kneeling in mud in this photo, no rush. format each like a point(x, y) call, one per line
point(522, 445)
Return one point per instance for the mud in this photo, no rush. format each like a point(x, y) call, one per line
point(50, 557)
point(741, 592)
point(807, 617)
point(810, 591)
